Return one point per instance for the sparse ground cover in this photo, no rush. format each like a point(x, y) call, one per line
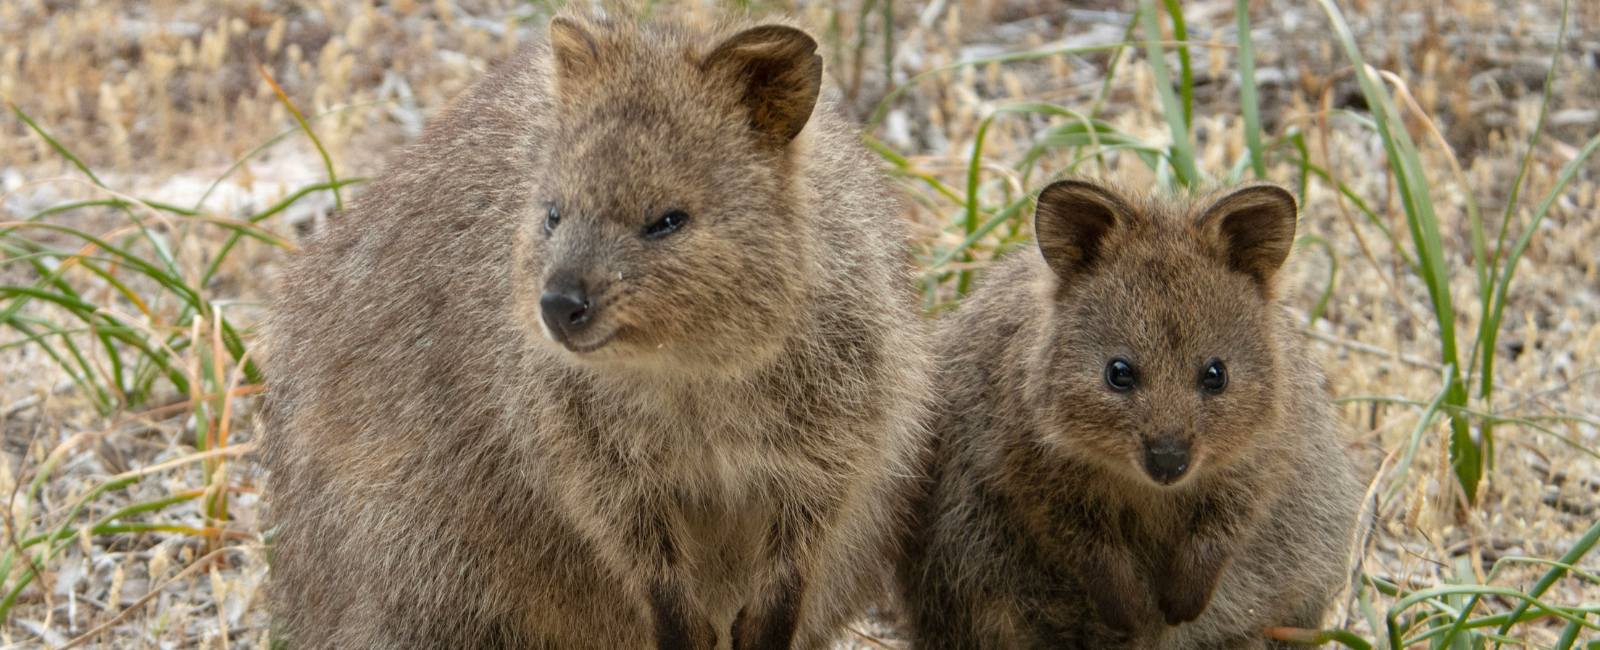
point(153, 177)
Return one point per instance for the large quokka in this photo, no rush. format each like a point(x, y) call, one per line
point(621, 354)
point(1134, 449)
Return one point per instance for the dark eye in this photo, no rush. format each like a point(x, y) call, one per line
point(1215, 377)
point(1119, 374)
point(667, 224)
point(552, 220)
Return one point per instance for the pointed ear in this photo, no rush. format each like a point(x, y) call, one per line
point(1256, 225)
point(1071, 223)
point(776, 72)
point(574, 50)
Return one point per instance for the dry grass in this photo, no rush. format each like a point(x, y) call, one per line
point(160, 98)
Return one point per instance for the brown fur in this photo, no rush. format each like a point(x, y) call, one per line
point(1043, 527)
point(725, 469)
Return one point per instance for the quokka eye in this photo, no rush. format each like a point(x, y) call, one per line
point(552, 220)
point(1214, 377)
point(1120, 375)
point(669, 223)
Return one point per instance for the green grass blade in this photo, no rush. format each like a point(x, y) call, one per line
point(1533, 138)
point(1295, 137)
point(80, 376)
point(1180, 33)
point(1101, 138)
point(103, 526)
point(1571, 558)
point(1011, 211)
point(52, 288)
point(1530, 422)
point(1249, 103)
point(326, 160)
point(1476, 625)
point(1466, 456)
point(1526, 600)
point(1183, 165)
point(172, 282)
point(1490, 327)
point(166, 258)
point(1146, 153)
point(89, 263)
point(54, 144)
point(31, 339)
point(1369, 612)
point(88, 313)
point(289, 200)
point(278, 138)
point(1318, 637)
point(233, 239)
point(1404, 466)
point(1361, 205)
point(970, 222)
point(112, 203)
point(1569, 635)
point(903, 167)
point(20, 298)
point(164, 207)
point(65, 207)
point(888, 40)
point(235, 347)
point(1570, 569)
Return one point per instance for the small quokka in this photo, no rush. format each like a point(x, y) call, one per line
point(621, 354)
point(1133, 447)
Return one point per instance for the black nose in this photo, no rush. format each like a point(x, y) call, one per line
point(566, 307)
point(1166, 459)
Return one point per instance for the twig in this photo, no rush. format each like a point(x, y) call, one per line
point(236, 450)
point(1548, 391)
point(1369, 349)
point(34, 399)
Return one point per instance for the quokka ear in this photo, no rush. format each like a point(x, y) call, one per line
point(574, 50)
point(1256, 225)
point(1071, 224)
point(777, 73)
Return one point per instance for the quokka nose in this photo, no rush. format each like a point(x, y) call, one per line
point(566, 307)
point(1166, 459)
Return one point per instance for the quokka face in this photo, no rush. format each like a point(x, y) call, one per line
point(666, 230)
point(1159, 364)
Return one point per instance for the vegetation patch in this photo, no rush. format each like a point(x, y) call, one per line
point(158, 159)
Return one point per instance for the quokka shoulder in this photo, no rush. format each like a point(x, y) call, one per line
point(1135, 448)
point(620, 354)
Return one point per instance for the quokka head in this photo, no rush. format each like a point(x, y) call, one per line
point(1163, 355)
point(667, 221)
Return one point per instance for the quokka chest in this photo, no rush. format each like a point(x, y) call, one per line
point(715, 459)
point(1150, 524)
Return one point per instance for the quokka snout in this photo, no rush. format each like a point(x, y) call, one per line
point(1134, 448)
point(620, 355)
